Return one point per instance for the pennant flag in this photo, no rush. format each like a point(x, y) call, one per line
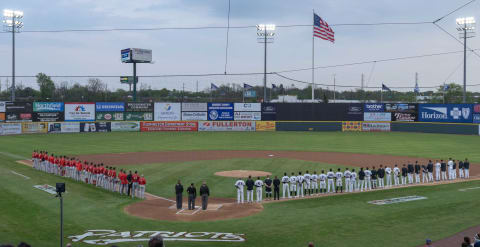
point(446, 87)
point(274, 86)
point(246, 86)
point(213, 87)
point(384, 87)
point(417, 89)
point(322, 30)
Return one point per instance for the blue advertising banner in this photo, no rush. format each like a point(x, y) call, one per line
point(48, 106)
point(449, 113)
point(476, 118)
point(109, 106)
point(374, 107)
point(220, 111)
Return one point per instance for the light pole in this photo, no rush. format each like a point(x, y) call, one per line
point(466, 29)
point(12, 22)
point(265, 33)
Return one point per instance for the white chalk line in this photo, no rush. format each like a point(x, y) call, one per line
point(13, 156)
point(21, 175)
point(159, 197)
point(473, 188)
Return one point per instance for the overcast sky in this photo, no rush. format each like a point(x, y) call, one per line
point(203, 51)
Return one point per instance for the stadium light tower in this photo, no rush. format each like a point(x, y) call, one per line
point(466, 29)
point(12, 22)
point(265, 33)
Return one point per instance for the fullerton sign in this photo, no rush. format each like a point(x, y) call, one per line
point(106, 237)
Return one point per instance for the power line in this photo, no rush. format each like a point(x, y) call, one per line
point(453, 11)
point(452, 36)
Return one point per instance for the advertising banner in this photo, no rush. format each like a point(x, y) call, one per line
point(255, 116)
point(450, 113)
point(110, 116)
point(73, 127)
point(374, 107)
point(10, 129)
point(169, 126)
point(351, 126)
point(476, 108)
point(125, 126)
point(18, 117)
point(32, 128)
point(109, 106)
point(269, 111)
point(95, 127)
point(48, 107)
point(476, 118)
point(226, 126)
point(18, 107)
point(194, 107)
point(354, 112)
point(2, 106)
point(139, 107)
point(139, 116)
point(199, 116)
point(265, 126)
point(401, 107)
point(2, 116)
point(376, 127)
point(80, 111)
point(167, 111)
point(47, 116)
point(404, 117)
point(220, 111)
point(377, 116)
point(248, 107)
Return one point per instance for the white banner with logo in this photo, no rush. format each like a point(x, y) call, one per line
point(376, 127)
point(2, 106)
point(167, 111)
point(125, 126)
point(247, 107)
point(194, 107)
point(64, 127)
point(10, 129)
point(79, 111)
point(255, 116)
point(194, 116)
point(377, 116)
point(226, 126)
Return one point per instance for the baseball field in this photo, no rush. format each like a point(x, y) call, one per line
point(93, 216)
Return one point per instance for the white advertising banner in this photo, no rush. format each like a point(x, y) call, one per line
point(64, 127)
point(194, 116)
point(125, 126)
point(376, 127)
point(226, 126)
point(79, 111)
point(10, 129)
point(194, 107)
point(377, 116)
point(167, 111)
point(255, 116)
point(247, 107)
point(2, 106)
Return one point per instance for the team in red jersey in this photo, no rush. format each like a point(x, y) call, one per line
point(90, 173)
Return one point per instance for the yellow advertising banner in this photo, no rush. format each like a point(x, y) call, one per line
point(352, 126)
point(32, 128)
point(265, 125)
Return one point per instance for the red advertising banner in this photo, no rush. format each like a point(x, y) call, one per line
point(169, 126)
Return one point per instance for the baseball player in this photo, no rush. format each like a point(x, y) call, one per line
point(404, 175)
point(437, 170)
point(135, 184)
point(285, 187)
point(34, 159)
point(300, 185)
point(361, 179)
point(374, 177)
point(460, 169)
point(293, 185)
point(347, 174)
point(323, 182)
point(396, 175)
point(314, 184)
point(259, 189)
point(454, 170)
point(443, 169)
point(411, 170)
point(388, 175)
point(368, 179)
point(338, 180)
point(417, 172)
point(307, 177)
point(250, 185)
point(142, 183)
point(466, 168)
point(330, 177)
point(381, 175)
point(239, 185)
point(424, 174)
point(353, 180)
point(268, 187)
point(430, 171)
point(450, 168)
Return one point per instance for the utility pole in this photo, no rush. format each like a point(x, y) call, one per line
point(13, 22)
point(466, 28)
point(416, 84)
point(361, 88)
point(197, 87)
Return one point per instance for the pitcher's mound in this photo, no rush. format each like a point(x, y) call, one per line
point(242, 173)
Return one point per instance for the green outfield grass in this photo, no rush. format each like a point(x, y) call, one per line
point(31, 215)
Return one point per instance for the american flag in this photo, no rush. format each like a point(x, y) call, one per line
point(322, 30)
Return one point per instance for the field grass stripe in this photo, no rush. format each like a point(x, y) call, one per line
point(14, 156)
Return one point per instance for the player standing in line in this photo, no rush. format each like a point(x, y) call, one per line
point(381, 175)
point(307, 178)
point(443, 168)
point(460, 169)
point(285, 187)
point(330, 176)
point(347, 174)
point(353, 180)
point(437, 170)
point(259, 189)
point(430, 171)
point(454, 170)
point(276, 188)
point(388, 175)
point(404, 175)
point(411, 170)
point(293, 185)
point(396, 175)
point(300, 182)
point(34, 159)
point(361, 179)
point(323, 182)
point(417, 172)
point(135, 184)
point(268, 187)
point(250, 185)
point(142, 183)
point(314, 183)
point(450, 168)
point(368, 179)
point(338, 180)
point(424, 174)
point(374, 177)
point(466, 168)
point(239, 185)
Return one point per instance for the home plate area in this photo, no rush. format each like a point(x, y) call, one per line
point(186, 211)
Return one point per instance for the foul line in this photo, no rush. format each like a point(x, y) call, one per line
point(159, 197)
point(21, 175)
point(473, 188)
point(13, 156)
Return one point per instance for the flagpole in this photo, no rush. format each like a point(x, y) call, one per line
point(313, 57)
point(443, 92)
point(243, 94)
point(381, 95)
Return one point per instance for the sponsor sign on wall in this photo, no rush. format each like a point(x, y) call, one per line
point(248, 107)
point(110, 116)
point(2, 116)
point(167, 111)
point(269, 111)
point(199, 116)
point(95, 127)
point(73, 127)
point(265, 126)
point(354, 112)
point(220, 111)
point(139, 116)
point(374, 107)
point(139, 107)
point(18, 107)
point(226, 126)
point(404, 117)
point(376, 127)
point(377, 116)
point(453, 113)
point(48, 107)
point(125, 126)
point(80, 111)
point(351, 126)
point(194, 107)
point(476, 118)
point(169, 126)
point(255, 116)
point(32, 128)
point(476, 108)
point(401, 107)
point(10, 128)
point(2, 106)
point(109, 106)
point(18, 117)
point(47, 116)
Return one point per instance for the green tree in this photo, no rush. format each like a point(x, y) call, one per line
point(47, 87)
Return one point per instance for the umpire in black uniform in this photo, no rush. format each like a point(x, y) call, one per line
point(179, 194)
point(204, 193)
point(192, 195)
point(276, 188)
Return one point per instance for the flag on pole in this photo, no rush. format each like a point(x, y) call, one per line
point(274, 86)
point(384, 87)
point(446, 87)
point(417, 89)
point(213, 87)
point(246, 86)
point(322, 30)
